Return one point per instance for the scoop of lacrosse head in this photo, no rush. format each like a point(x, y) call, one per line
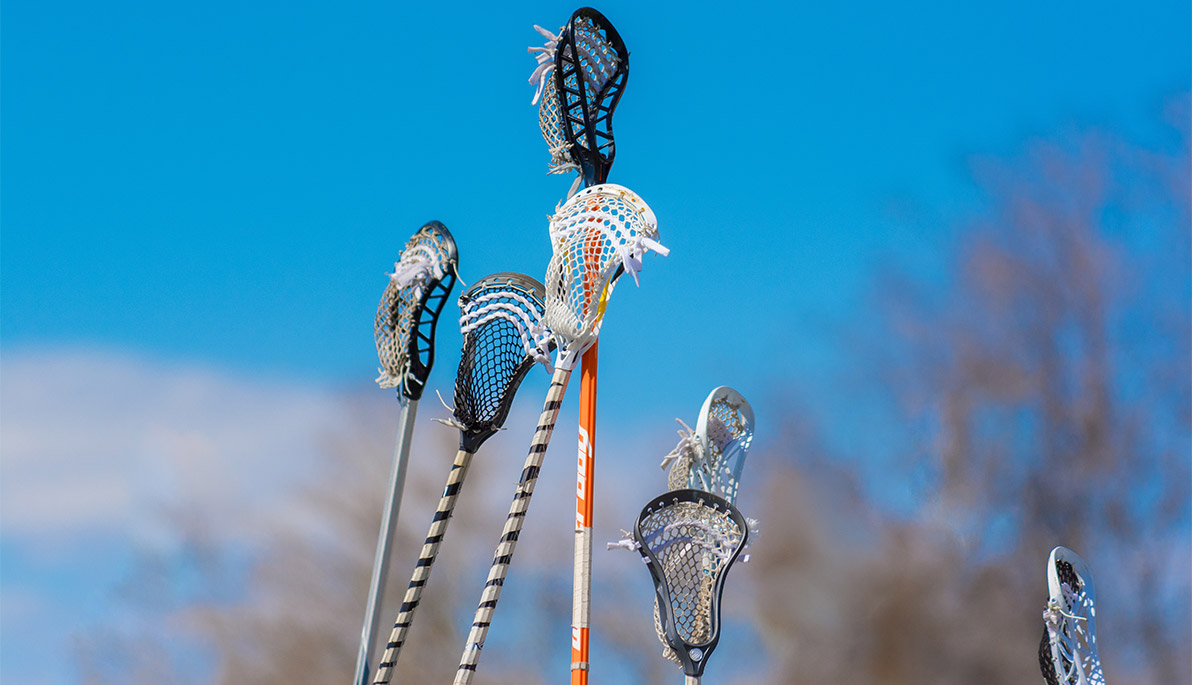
point(409, 309)
point(628, 223)
point(1068, 651)
point(501, 322)
point(724, 432)
point(598, 234)
point(589, 65)
point(689, 540)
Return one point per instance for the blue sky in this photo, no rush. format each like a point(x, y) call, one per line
point(225, 184)
point(229, 182)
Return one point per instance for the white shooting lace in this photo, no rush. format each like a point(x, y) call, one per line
point(428, 256)
point(550, 111)
point(601, 229)
point(719, 544)
point(546, 60)
point(620, 214)
point(416, 262)
point(683, 457)
point(535, 336)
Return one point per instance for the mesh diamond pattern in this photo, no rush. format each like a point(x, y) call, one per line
point(729, 433)
point(596, 62)
point(597, 58)
point(1069, 631)
point(591, 69)
point(693, 543)
point(426, 259)
point(550, 121)
point(593, 234)
point(501, 321)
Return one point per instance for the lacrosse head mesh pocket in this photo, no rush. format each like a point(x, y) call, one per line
point(410, 306)
point(501, 323)
point(724, 432)
point(599, 233)
point(590, 71)
point(550, 121)
point(689, 539)
point(1068, 651)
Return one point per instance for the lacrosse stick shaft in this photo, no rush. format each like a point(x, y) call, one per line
point(380, 571)
point(585, 471)
point(430, 550)
point(691, 680)
point(503, 556)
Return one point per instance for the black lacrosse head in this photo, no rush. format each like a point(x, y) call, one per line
point(501, 322)
point(410, 308)
point(689, 539)
point(591, 68)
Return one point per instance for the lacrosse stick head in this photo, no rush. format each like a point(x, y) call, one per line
point(591, 68)
point(596, 235)
point(501, 322)
point(550, 121)
point(689, 539)
point(410, 307)
point(723, 432)
point(1068, 651)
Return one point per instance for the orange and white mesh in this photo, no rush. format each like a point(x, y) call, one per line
point(594, 234)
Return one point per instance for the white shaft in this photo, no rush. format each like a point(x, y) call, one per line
point(690, 680)
point(376, 590)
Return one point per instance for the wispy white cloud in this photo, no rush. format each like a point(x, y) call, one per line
point(99, 441)
point(97, 447)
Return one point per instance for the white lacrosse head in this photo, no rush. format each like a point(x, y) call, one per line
point(723, 432)
point(621, 214)
point(594, 235)
point(1070, 622)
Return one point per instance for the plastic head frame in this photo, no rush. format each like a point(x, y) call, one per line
point(724, 432)
point(410, 307)
point(501, 322)
point(689, 539)
point(1068, 651)
point(596, 235)
point(589, 65)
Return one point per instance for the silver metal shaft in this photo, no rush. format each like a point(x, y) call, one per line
point(376, 590)
point(690, 680)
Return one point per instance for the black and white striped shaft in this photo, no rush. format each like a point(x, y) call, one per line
point(426, 560)
point(503, 556)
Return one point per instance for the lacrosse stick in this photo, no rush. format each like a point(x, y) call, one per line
point(587, 258)
point(689, 539)
point(1068, 650)
point(580, 76)
point(711, 458)
point(405, 332)
point(503, 336)
point(627, 226)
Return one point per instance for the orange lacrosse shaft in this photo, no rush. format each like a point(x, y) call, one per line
point(585, 472)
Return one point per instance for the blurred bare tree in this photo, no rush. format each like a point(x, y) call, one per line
point(294, 605)
point(1045, 395)
point(1041, 397)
